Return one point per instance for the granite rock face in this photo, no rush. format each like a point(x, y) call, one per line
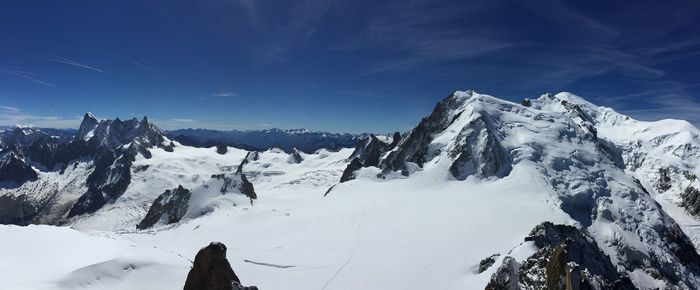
point(13, 170)
point(212, 271)
point(565, 258)
point(295, 156)
point(169, 207)
point(368, 152)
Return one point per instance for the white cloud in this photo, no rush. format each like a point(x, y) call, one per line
point(182, 120)
point(29, 76)
point(10, 116)
point(224, 94)
point(9, 109)
point(64, 60)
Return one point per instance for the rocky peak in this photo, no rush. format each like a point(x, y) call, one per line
point(295, 156)
point(110, 134)
point(368, 152)
point(87, 126)
point(144, 121)
point(13, 170)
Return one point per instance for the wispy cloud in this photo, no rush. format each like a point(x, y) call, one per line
point(70, 62)
point(224, 94)
point(29, 76)
point(142, 66)
point(299, 26)
point(181, 120)
point(10, 116)
point(9, 109)
point(251, 10)
point(419, 34)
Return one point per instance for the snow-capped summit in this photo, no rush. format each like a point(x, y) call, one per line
point(556, 139)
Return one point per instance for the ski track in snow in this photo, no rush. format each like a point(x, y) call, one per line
point(352, 254)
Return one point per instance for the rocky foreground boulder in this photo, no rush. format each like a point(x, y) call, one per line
point(212, 271)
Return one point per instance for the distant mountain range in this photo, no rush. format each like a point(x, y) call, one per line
point(287, 139)
point(251, 140)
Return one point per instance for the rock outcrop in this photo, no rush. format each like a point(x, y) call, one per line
point(295, 156)
point(236, 181)
point(13, 170)
point(221, 148)
point(477, 152)
point(368, 152)
point(212, 271)
point(566, 258)
point(169, 207)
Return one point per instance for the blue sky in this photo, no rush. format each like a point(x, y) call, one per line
point(349, 66)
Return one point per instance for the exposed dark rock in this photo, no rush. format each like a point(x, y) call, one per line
point(586, 123)
point(212, 271)
point(526, 103)
point(368, 153)
point(691, 200)
point(238, 181)
point(506, 276)
point(478, 152)
point(295, 156)
point(664, 180)
point(249, 157)
point(329, 190)
point(566, 258)
point(13, 170)
point(414, 146)
point(349, 172)
point(221, 148)
point(169, 208)
point(16, 210)
point(486, 263)
point(87, 126)
point(109, 180)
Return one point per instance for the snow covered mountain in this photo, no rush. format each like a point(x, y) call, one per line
point(79, 174)
point(482, 193)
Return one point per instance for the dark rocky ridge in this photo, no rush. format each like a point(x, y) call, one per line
point(172, 205)
point(295, 156)
point(13, 170)
point(566, 258)
point(368, 152)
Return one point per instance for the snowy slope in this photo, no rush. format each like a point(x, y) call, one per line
point(664, 155)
